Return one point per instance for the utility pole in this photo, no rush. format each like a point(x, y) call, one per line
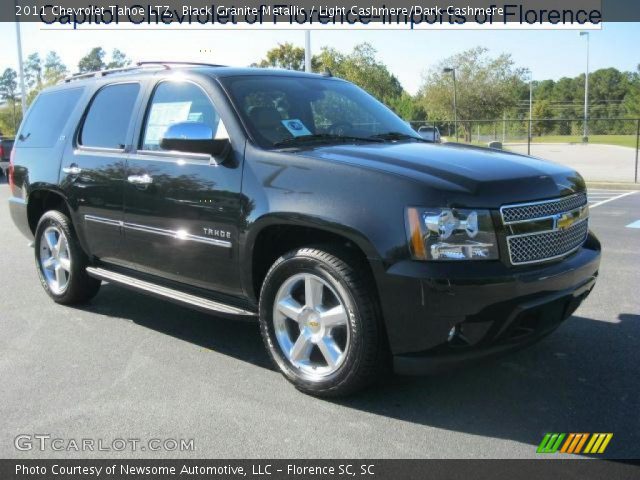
point(23, 92)
point(585, 134)
point(452, 70)
point(307, 51)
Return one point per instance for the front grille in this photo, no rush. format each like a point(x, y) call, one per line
point(538, 247)
point(547, 208)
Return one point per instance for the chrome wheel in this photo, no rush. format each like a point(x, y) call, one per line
point(55, 260)
point(311, 324)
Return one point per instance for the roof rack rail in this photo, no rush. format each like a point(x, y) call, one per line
point(139, 65)
point(168, 63)
point(108, 71)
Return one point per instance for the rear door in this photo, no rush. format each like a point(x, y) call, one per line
point(182, 211)
point(93, 167)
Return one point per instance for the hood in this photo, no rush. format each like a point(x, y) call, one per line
point(476, 172)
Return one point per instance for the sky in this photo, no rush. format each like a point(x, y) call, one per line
point(408, 54)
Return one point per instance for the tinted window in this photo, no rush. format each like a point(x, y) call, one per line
point(47, 117)
point(177, 102)
point(109, 116)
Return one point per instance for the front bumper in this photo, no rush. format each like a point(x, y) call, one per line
point(490, 307)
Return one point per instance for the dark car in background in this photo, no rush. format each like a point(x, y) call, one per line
point(301, 201)
point(6, 145)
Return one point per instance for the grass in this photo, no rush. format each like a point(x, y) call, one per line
point(620, 140)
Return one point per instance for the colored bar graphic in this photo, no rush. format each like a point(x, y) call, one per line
point(597, 443)
point(550, 443)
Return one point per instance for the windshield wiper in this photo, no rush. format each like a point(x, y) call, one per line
point(397, 136)
point(322, 137)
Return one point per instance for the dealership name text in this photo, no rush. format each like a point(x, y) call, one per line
point(294, 14)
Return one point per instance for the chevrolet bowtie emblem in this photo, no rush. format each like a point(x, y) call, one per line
point(565, 220)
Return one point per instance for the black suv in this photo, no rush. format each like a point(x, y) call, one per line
point(303, 201)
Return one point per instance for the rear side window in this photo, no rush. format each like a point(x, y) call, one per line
point(47, 117)
point(109, 115)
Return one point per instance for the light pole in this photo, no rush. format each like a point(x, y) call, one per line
point(530, 110)
point(585, 133)
point(452, 70)
point(23, 95)
point(307, 51)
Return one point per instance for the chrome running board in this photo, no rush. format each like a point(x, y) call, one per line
point(168, 293)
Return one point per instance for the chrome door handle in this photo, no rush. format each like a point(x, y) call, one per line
point(72, 170)
point(145, 179)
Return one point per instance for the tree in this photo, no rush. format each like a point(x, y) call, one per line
point(8, 88)
point(92, 61)
point(632, 98)
point(541, 113)
point(407, 108)
point(285, 55)
point(33, 71)
point(118, 59)
point(8, 85)
point(54, 69)
point(486, 86)
point(362, 68)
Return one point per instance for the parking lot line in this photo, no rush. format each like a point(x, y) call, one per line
point(635, 224)
point(597, 204)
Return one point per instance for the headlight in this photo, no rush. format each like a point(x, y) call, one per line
point(451, 234)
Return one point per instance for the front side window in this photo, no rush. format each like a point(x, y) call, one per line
point(292, 110)
point(109, 116)
point(177, 102)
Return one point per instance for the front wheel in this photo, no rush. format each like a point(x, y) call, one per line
point(319, 322)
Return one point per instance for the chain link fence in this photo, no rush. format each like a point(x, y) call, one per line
point(609, 154)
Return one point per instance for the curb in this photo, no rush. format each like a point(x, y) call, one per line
point(614, 185)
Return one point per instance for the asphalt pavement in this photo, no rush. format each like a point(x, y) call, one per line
point(133, 367)
point(620, 164)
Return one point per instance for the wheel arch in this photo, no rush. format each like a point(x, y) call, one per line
point(41, 200)
point(273, 235)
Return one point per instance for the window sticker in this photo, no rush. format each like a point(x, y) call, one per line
point(163, 115)
point(296, 127)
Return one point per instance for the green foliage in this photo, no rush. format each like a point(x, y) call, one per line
point(8, 85)
point(362, 68)
point(486, 86)
point(406, 107)
point(542, 109)
point(92, 61)
point(285, 55)
point(33, 70)
point(10, 118)
point(54, 69)
point(118, 59)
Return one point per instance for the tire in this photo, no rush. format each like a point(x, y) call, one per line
point(320, 323)
point(61, 262)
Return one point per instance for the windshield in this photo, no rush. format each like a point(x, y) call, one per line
point(286, 111)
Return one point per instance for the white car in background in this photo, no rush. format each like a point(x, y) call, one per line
point(430, 133)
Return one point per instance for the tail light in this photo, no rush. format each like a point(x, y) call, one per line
point(1, 152)
point(11, 181)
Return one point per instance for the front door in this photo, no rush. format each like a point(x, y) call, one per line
point(182, 211)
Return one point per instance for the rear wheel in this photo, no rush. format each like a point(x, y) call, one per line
point(319, 322)
point(60, 261)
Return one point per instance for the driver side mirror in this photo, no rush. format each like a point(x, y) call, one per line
point(195, 137)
